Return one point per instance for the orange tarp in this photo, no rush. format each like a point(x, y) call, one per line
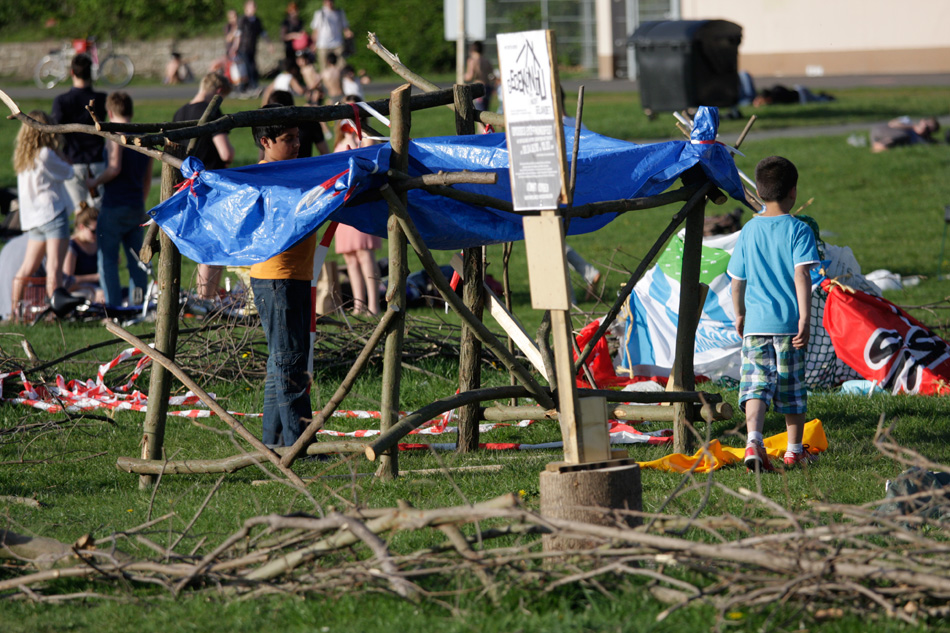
point(717, 455)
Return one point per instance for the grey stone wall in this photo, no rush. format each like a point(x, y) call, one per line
point(149, 58)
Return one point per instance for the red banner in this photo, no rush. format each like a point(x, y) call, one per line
point(885, 344)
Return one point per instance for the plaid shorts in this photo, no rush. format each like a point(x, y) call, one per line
point(773, 371)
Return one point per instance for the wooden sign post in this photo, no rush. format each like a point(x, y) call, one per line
point(538, 183)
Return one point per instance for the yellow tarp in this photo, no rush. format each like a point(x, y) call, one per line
point(718, 455)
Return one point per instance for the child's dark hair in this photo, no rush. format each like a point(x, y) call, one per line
point(120, 103)
point(775, 177)
point(270, 131)
point(281, 98)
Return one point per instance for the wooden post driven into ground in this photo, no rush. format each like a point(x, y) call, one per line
point(166, 332)
point(396, 292)
point(692, 297)
point(473, 294)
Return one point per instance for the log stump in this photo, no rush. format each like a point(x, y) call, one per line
point(589, 496)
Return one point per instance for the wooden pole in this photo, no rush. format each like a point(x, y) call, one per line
point(655, 413)
point(166, 332)
point(683, 377)
point(228, 464)
point(396, 293)
point(473, 295)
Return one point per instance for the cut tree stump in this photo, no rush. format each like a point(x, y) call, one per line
point(590, 496)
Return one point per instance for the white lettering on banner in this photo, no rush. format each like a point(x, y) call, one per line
point(907, 356)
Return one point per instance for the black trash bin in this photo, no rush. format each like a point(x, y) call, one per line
point(687, 63)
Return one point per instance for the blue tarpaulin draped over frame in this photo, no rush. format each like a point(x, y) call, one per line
point(249, 214)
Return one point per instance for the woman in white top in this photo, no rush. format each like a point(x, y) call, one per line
point(42, 171)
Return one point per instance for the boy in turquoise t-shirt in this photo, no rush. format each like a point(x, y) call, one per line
point(771, 291)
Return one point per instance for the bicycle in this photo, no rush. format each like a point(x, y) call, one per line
point(115, 70)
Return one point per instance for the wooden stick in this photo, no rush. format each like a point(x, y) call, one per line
point(745, 131)
point(435, 274)
point(576, 148)
point(473, 272)
point(419, 417)
point(655, 413)
point(250, 118)
point(227, 464)
point(271, 116)
point(487, 118)
point(398, 273)
point(345, 538)
point(683, 377)
point(592, 209)
point(203, 395)
point(85, 129)
point(402, 180)
point(166, 334)
point(484, 468)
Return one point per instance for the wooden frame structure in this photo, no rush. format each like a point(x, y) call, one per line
point(582, 415)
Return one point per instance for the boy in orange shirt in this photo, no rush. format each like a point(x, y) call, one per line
point(282, 295)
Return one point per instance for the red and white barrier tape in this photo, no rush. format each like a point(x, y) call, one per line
point(76, 396)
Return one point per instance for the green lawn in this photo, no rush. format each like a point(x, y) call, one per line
point(888, 208)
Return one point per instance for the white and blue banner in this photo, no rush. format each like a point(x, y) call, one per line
point(651, 315)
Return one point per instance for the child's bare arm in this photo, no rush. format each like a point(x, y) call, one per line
point(738, 303)
point(803, 293)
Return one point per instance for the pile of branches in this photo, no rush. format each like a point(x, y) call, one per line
point(825, 561)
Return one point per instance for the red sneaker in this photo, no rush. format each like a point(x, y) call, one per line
point(757, 459)
point(794, 459)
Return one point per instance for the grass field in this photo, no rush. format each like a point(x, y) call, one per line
point(888, 208)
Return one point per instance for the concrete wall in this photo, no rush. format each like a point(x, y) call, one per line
point(149, 58)
point(799, 37)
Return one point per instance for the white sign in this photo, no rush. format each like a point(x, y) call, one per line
point(532, 119)
point(474, 20)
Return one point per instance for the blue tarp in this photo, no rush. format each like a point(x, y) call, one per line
point(249, 214)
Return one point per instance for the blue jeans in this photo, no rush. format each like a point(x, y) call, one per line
point(119, 227)
point(284, 308)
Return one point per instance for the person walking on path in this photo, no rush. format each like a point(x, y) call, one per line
point(42, 171)
point(771, 292)
point(281, 287)
point(127, 180)
point(330, 30)
point(215, 153)
point(84, 151)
